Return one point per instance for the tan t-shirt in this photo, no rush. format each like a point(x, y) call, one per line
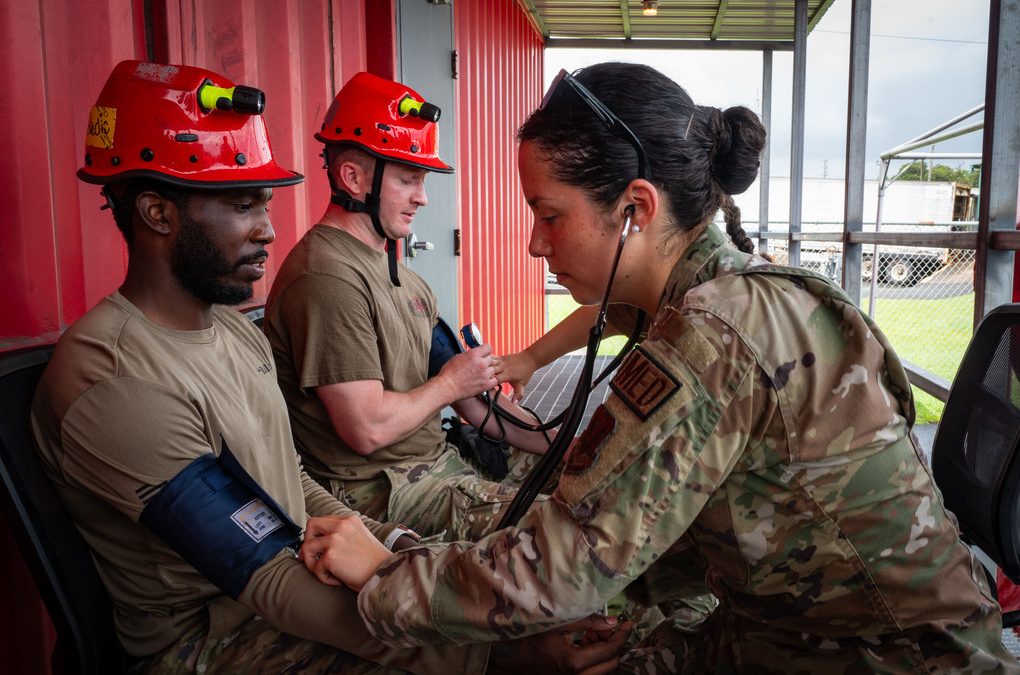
point(123, 407)
point(333, 316)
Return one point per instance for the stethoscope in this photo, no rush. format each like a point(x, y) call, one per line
point(570, 419)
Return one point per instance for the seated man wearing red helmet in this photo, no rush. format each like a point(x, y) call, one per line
point(159, 418)
point(353, 331)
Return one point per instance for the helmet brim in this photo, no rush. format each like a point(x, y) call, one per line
point(284, 179)
point(437, 165)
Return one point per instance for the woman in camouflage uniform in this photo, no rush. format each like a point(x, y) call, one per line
point(764, 423)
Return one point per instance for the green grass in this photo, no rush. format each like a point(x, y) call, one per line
point(558, 307)
point(932, 334)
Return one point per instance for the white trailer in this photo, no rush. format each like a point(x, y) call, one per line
point(909, 206)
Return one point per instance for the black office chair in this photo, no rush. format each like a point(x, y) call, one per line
point(58, 557)
point(256, 315)
point(974, 457)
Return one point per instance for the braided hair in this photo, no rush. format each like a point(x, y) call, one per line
point(698, 156)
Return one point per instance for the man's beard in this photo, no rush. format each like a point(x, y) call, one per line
point(201, 267)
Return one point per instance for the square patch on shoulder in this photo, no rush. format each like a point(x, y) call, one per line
point(644, 384)
point(586, 448)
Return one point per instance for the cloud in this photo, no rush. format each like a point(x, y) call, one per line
point(914, 84)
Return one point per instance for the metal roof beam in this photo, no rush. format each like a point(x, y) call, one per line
point(819, 13)
point(536, 18)
point(635, 43)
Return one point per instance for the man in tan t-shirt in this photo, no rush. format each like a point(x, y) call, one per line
point(160, 422)
point(159, 419)
point(351, 331)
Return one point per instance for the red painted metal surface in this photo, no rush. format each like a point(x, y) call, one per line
point(380, 18)
point(61, 254)
point(289, 51)
point(500, 82)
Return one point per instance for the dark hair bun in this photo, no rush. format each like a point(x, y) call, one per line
point(739, 141)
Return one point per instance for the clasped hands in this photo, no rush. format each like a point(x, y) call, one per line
point(341, 550)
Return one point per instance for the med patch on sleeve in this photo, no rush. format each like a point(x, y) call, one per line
point(644, 384)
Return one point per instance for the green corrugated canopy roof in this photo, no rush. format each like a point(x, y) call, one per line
point(723, 21)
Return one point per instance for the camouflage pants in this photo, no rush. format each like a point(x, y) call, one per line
point(446, 500)
point(256, 647)
point(725, 644)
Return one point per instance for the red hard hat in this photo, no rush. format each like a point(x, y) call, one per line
point(182, 125)
point(386, 119)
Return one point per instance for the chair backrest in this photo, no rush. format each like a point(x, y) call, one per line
point(974, 457)
point(256, 315)
point(55, 551)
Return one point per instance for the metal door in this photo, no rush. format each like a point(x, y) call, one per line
point(424, 57)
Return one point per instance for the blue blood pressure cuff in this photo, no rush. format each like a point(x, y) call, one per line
point(216, 517)
point(444, 347)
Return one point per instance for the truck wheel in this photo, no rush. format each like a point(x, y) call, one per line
point(901, 272)
point(866, 270)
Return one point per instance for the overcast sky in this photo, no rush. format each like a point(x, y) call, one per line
point(928, 60)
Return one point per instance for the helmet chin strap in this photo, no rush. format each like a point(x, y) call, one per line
point(370, 206)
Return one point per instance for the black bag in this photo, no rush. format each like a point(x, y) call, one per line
point(487, 454)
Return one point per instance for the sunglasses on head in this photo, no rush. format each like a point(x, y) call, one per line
point(614, 124)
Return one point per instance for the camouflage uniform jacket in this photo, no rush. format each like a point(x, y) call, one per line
point(767, 420)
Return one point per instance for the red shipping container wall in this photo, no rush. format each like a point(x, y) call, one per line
point(61, 254)
point(500, 82)
point(288, 50)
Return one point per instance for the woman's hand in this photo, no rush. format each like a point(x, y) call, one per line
point(341, 549)
point(516, 369)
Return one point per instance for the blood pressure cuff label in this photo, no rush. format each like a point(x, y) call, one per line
point(216, 517)
point(444, 347)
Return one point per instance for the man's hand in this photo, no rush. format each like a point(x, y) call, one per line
point(341, 549)
point(590, 646)
point(469, 374)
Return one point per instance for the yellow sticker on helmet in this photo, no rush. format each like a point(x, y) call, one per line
point(102, 122)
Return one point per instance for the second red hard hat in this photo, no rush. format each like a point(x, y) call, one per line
point(386, 119)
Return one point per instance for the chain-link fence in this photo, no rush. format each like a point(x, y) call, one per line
point(923, 301)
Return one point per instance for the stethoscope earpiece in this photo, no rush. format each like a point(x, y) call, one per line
point(543, 470)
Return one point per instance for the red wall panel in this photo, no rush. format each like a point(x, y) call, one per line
point(289, 51)
point(500, 82)
point(60, 254)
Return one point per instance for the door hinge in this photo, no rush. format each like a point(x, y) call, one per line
point(456, 241)
point(454, 64)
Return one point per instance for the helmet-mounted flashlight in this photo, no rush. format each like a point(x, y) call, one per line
point(422, 109)
point(240, 99)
